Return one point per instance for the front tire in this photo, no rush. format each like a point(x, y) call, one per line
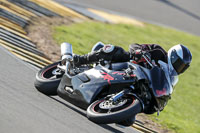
point(48, 79)
point(102, 114)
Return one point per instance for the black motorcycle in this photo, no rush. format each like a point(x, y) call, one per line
point(113, 93)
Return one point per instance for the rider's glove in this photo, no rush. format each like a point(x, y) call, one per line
point(137, 55)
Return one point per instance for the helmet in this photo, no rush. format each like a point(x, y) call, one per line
point(179, 59)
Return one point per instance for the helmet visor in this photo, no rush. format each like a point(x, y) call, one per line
point(179, 65)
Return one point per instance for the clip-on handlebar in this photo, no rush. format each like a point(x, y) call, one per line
point(148, 60)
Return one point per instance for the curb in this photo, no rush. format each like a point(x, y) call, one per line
point(16, 15)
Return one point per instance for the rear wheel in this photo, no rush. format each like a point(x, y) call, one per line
point(105, 111)
point(48, 79)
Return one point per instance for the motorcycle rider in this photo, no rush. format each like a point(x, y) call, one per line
point(117, 54)
point(178, 59)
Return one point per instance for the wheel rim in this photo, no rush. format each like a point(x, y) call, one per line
point(104, 106)
point(107, 104)
point(52, 73)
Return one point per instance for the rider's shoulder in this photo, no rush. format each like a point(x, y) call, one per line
point(108, 48)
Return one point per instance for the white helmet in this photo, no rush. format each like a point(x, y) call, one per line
point(179, 59)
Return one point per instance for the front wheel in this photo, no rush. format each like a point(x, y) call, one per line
point(48, 79)
point(105, 111)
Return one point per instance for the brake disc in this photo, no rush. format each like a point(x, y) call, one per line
point(110, 105)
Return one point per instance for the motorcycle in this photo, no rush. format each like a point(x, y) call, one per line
point(113, 93)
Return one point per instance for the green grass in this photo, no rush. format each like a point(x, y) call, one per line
point(182, 112)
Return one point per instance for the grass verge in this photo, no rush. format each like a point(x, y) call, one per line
point(182, 112)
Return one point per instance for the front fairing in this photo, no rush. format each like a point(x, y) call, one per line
point(161, 85)
point(159, 82)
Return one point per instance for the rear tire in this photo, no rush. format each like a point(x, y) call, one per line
point(125, 111)
point(47, 81)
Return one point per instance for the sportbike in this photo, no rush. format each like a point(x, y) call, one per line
point(110, 93)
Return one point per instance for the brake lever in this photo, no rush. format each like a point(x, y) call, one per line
point(147, 61)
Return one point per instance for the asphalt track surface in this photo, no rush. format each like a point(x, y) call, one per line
point(24, 110)
point(180, 14)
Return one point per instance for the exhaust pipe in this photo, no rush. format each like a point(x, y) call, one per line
point(66, 52)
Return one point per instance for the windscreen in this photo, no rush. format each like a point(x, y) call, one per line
point(159, 83)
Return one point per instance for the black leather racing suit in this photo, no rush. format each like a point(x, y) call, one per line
point(118, 54)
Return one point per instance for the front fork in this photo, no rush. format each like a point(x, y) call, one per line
point(117, 96)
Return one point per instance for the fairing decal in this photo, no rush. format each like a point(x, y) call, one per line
point(118, 73)
point(107, 77)
point(161, 92)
